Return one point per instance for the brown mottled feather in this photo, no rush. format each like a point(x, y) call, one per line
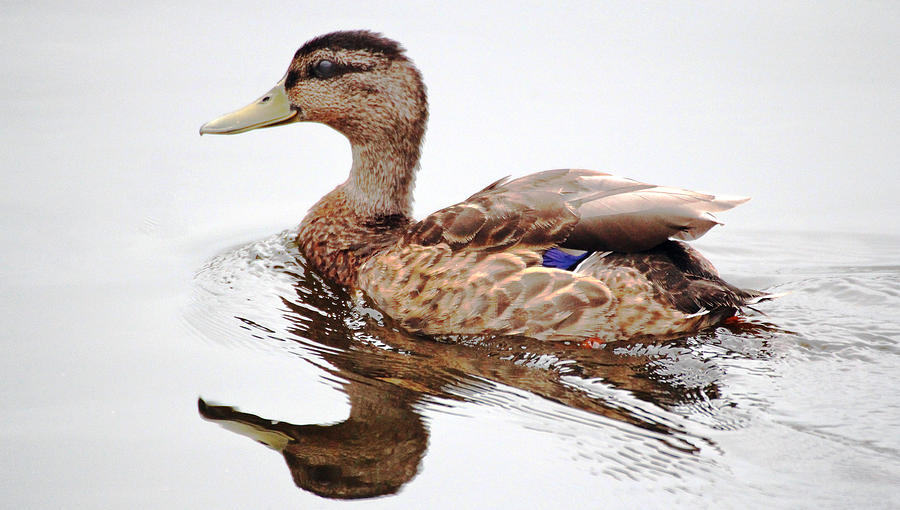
point(495, 219)
point(574, 208)
point(337, 240)
point(678, 274)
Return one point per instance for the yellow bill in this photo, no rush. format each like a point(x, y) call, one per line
point(272, 109)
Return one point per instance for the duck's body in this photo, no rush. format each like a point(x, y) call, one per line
point(554, 255)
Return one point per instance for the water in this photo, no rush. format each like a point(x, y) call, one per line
point(785, 410)
point(305, 387)
point(144, 268)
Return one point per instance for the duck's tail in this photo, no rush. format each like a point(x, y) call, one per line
point(683, 278)
point(763, 296)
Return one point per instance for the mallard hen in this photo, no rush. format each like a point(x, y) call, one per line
point(560, 254)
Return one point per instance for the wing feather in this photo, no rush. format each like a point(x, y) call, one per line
point(579, 209)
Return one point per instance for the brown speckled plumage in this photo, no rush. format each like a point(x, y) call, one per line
point(476, 267)
point(336, 239)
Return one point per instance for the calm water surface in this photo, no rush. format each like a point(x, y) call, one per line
point(189, 376)
point(794, 408)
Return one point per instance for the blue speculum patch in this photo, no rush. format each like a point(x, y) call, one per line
point(554, 257)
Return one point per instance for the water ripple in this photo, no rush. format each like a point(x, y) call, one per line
point(633, 412)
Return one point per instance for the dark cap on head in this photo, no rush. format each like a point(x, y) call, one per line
point(354, 40)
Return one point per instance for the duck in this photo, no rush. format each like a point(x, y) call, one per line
point(556, 255)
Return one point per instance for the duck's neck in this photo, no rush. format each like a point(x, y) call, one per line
point(382, 178)
point(373, 207)
point(365, 214)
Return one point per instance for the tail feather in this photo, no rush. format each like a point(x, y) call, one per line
point(683, 277)
point(762, 297)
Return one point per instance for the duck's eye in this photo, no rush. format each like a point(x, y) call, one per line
point(324, 69)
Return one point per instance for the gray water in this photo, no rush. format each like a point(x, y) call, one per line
point(788, 409)
point(792, 409)
point(144, 268)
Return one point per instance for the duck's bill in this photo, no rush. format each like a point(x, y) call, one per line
point(272, 109)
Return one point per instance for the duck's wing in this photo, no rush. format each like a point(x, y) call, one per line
point(624, 215)
point(573, 208)
point(498, 217)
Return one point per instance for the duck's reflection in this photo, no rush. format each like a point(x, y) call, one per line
point(373, 452)
point(387, 372)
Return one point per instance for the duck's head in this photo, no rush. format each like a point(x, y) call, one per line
point(357, 82)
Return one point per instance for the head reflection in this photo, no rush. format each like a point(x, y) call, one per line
point(372, 453)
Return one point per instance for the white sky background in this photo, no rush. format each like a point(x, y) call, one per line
point(794, 103)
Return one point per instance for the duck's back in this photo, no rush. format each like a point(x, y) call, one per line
point(477, 267)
